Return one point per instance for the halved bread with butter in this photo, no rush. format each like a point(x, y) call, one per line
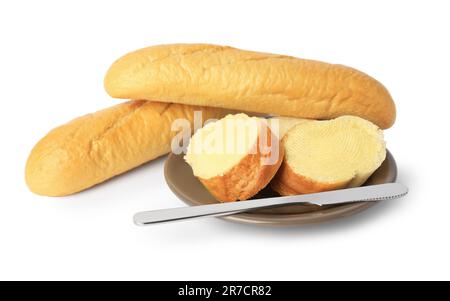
point(234, 157)
point(328, 155)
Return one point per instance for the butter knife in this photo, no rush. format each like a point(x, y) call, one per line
point(371, 193)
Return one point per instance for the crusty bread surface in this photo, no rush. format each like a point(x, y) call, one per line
point(328, 155)
point(238, 175)
point(93, 148)
point(220, 76)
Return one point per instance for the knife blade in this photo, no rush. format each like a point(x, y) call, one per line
point(371, 193)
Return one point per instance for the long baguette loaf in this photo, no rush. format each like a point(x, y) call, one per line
point(95, 147)
point(218, 76)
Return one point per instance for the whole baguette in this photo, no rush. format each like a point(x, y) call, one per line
point(93, 148)
point(220, 76)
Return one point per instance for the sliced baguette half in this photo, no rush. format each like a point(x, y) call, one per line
point(235, 157)
point(328, 155)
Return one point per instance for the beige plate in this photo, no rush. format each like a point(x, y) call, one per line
point(188, 188)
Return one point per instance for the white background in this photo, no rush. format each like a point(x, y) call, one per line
point(53, 56)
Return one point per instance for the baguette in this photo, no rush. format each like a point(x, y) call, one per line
point(220, 76)
point(329, 155)
point(240, 167)
point(93, 148)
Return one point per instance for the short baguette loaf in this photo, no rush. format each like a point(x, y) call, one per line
point(218, 76)
point(95, 147)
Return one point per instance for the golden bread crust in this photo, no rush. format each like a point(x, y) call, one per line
point(220, 76)
point(93, 148)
